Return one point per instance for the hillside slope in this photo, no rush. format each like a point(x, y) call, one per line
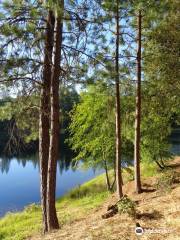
point(158, 213)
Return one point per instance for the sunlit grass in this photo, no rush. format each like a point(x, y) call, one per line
point(17, 226)
point(74, 205)
point(149, 169)
point(71, 207)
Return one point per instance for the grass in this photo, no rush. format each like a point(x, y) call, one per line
point(149, 170)
point(74, 205)
point(17, 226)
point(71, 207)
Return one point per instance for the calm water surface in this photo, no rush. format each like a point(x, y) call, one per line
point(19, 182)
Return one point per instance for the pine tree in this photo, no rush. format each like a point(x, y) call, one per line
point(44, 118)
point(137, 141)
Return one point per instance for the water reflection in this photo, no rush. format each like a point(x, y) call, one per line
point(19, 179)
point(64, 162)
point(175, 148)
point(5, 162)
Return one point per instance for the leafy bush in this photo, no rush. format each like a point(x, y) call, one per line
point(165, 181)
point(126, 205)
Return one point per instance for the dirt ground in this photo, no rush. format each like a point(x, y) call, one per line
point(158, 215)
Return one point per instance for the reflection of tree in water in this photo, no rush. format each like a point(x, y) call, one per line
point(21, 160)
point(5, 164)
point(64, 162)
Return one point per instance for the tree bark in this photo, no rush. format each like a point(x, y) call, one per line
point(162, 163)
point(54, 132)
point(159, 165)
point(138, 113)
point(44, 115)
point(118, 117)
point(107, 176)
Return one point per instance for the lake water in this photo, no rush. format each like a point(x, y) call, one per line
point(19, 182)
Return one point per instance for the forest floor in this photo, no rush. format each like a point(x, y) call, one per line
point(158, 213)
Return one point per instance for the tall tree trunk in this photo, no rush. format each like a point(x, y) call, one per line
point(118, 117)
point(138, 113)
point(44, 115)
point(107, 176)
point(54, 133)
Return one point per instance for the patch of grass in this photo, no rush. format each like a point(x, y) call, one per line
point(17, 226)
point(149, 169)
point(72, 206)
point(70, 210)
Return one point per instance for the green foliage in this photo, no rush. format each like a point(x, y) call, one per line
point(160, 85)
point(166, 180)
point(149, 168)
point(126, 205)
point(68, 98)
point(23, 112)
point(160, 93)
point(78, 192)
point(20, 225)
point(92, 126)
point(91, 188)
point(84, 191)
point(23, 109)
point(55, 5)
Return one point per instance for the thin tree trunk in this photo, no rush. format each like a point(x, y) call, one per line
point(114, 169)
point(118, 117)
point(112, 185)
point(54, 135)
point(162, 163)
point(44, 115)
point(159, 165)
point(107, 176)
point(138, 113)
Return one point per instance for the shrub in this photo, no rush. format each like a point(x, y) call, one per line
point(78, 192)
point(165, 181)
point(126, 205)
